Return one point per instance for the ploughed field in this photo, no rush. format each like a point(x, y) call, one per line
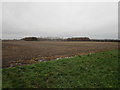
point(26, 52)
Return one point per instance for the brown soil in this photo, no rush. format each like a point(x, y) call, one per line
point(26, 52)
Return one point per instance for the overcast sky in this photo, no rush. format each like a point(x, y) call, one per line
point(60, 19)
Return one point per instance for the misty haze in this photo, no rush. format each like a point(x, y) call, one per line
point(60, 19)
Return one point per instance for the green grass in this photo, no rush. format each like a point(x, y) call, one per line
point(98, 70)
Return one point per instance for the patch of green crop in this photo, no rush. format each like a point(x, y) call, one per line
point(0, 78)
point(98, 70)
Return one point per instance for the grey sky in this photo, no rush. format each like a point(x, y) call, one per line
point(60, 19)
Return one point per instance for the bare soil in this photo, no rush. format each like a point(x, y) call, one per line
point(26, 52)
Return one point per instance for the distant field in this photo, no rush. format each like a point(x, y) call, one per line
point(24, 52)
point(97, 70)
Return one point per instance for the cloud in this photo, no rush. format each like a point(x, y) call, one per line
point(60, 19)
